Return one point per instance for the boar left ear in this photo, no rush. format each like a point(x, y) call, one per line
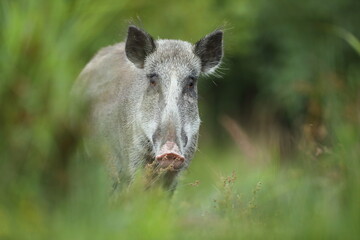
point(210, 50)
point(139, 44)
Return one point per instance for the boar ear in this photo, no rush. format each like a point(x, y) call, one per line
point(210, 51)
point(138, 45)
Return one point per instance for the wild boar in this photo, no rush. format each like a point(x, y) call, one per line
point(144, 100)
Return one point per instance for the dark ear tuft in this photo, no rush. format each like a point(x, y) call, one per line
point(139, 44)
point(210, 51)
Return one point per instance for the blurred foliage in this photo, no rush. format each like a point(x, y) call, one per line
point(285, 113)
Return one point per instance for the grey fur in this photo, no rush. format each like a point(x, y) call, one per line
point(144, 93)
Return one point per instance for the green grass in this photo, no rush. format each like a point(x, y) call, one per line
point(220, 197)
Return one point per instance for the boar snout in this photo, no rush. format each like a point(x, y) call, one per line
point(169, 154)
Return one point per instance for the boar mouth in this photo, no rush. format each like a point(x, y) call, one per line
point(170, 157)
point(170, 160)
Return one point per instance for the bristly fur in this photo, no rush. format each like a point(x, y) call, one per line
point(143, 93)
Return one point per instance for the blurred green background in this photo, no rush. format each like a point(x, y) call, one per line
point(280, 141)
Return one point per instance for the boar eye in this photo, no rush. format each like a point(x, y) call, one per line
point(191, 81)
point(153, 77)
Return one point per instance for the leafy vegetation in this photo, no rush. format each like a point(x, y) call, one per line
point(280, 143)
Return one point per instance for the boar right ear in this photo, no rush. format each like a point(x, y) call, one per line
point(138, 45)
point(210, 51)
